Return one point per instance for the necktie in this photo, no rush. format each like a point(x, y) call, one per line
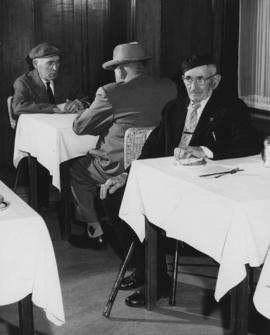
point(50, 92)
point(190, 124)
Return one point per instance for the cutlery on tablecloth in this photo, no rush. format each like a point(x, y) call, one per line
point(222, 173)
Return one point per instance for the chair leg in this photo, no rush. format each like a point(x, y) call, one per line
point(18, 172)
point(175, 273)
point(116, 285)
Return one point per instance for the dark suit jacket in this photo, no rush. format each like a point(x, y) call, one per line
point(224, 127)
point(30, 95)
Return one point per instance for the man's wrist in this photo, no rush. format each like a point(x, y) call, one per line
point(86, 104)
point(208, 153)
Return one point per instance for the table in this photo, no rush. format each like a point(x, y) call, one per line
point(231, 222)
point(27, 262)
point(50, 140)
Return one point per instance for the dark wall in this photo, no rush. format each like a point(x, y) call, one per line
point(88, 30)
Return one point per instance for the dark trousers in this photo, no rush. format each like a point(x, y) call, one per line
point(43, 181)
point(43, 185)
point(126, 235)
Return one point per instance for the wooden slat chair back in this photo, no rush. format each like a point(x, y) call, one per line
point(133, 142)
point(12, 121)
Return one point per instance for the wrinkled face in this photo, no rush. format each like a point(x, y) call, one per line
point(47, 67)
point(201, 81)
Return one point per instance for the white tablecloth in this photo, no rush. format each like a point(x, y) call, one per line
point(27, 259)
point(227, 218)
point(50, 138)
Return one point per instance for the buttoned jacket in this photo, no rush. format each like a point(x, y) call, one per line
point(224, 127)
point(30, 95)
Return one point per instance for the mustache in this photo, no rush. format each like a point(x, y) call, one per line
point(194, 91)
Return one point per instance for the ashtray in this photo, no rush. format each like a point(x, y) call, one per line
point(3, 205)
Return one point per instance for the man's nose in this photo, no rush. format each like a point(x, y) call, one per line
point(55, 67)
point(194, 84)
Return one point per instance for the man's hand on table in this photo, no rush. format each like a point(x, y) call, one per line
point(189, 151)
point(113, 184)
point(73, 106)
point(57, 110)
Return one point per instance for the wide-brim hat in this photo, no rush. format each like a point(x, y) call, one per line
point(44, 50)
point(126, 53)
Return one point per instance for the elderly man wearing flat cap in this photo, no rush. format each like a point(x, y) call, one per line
point(43, 90)
point(134, 100)
point(205, 124)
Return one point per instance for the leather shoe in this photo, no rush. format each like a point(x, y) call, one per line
point(137, 299)
point(84, 242)
point(131, 282)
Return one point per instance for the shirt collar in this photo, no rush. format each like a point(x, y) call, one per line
point(51, 84)
point(201, 108)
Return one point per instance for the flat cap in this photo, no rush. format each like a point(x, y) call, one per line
point(195, 61)
point(43, 50)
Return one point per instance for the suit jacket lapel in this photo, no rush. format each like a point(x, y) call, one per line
point(39, 89)
point(207, 119)
point(179, 120)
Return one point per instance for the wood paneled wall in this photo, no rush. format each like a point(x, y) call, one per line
point(88, 30)
point(85, 30)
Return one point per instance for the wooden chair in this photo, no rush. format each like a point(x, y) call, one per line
point(133, 142)
point(12, 121)
point(13, 124)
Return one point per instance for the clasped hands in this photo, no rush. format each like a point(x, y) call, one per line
point(70, 107)
point(188, 151)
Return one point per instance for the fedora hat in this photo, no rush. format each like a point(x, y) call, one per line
point(126, 53)
point(43, 50)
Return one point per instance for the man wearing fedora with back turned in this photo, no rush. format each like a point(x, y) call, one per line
point(135, 99)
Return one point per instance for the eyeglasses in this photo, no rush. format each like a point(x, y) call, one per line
point(201, 81)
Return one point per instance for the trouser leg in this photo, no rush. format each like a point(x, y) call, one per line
point(126, 235)
point(122, 231)
point(139, 253)
point(84, 189)
point(43, 185)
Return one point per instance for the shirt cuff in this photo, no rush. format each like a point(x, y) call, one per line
point(86, 104)
point(207, 152)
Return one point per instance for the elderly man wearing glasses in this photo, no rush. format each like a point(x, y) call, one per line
point(205, 123)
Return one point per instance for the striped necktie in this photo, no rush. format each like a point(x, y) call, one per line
point(190, 124)
point(50, 92)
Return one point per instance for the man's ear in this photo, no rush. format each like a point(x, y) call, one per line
point(123, 72)
point(34, 62)
point(216, 80)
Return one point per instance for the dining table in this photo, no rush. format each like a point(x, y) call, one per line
point(29, 272)
point(50, 140)
point(223, 215)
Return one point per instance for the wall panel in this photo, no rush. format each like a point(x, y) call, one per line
point(17, 35)
point(147, 30)
point(187, 28)
point(88, 30)
point(85, 30)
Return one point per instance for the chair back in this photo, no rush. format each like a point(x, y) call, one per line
point(133, 142)
point(12, 121)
